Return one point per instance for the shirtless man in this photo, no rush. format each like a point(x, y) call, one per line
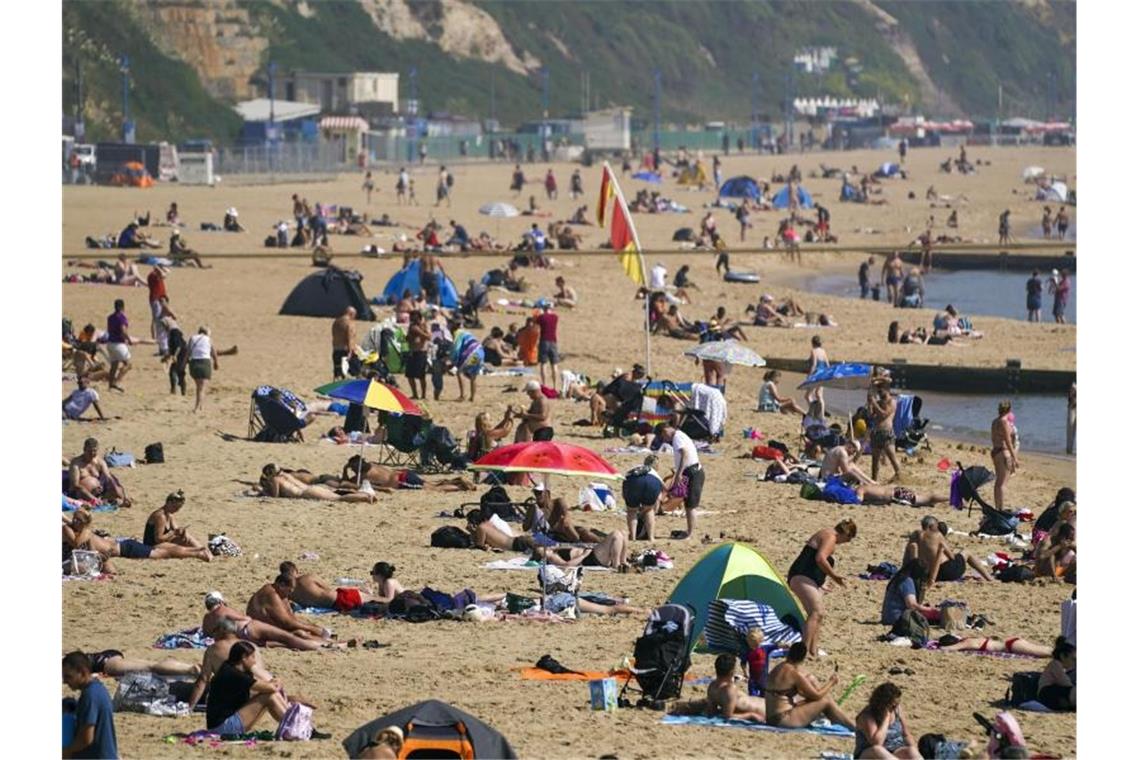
point(343, 340)
point(254, 631)
point(536, 417)
point(840, 460)
point(943, 563)
point(726, 700)
point(91, 479)
point(161, 527)
point(565, 295)
point(892, 274)
point(671, 324)
point(882, 407)
point(225, 636)
point(311, 591)
point(484, 535)
point(874, 494)
point(270, 604)
point(388, 480)
point(551, 516)
point(278, 484)
point(419, 335)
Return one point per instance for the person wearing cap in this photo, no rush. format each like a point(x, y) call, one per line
point(687, 471)
point(254, 631)
point(536, 423)
point(230, 221)
point(547, 342)
point(161, 528)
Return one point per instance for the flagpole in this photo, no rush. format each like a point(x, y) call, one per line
point(641, 257)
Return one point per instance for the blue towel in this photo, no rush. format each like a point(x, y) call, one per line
point(67, 507)
point(191, 638)
point(701, 720)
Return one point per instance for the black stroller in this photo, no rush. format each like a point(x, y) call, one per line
point(995, 522)
point(910, 425)
point(661, 656)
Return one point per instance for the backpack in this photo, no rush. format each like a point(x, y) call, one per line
point(153, 454)
point(912, 625)
point(496, 501)
point(296, 724)
point(450, 537)
point(1015, 574)
point(1022, 687)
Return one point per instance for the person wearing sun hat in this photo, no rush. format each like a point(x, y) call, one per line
point(161, 527)
point(230, 221)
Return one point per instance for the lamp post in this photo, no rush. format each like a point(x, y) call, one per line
point(656, 113)
point(128, 125)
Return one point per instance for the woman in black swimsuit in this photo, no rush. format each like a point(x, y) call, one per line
point(811, 570)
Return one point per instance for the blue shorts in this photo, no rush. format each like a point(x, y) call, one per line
point(132, 549)
point(231, 726)
point(641, 491)
point(547, 352)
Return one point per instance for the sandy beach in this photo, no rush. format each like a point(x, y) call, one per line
point(475, 666)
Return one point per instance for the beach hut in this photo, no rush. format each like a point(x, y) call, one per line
point(409, 279)
point(347, 133)
point(783, 198)
point(434, 729)
point(740, 187)
point(327, 294)
point(734, 571)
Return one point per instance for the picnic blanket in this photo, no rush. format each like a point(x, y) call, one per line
point(701, 720)
point(190, 638)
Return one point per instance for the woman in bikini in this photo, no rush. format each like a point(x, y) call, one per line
point(610, 552)
point(78, 534)
point(793, 699)
point(1012, 645)
point(278, 484)
point(881, 729)
point(810, 572)
point(114, 663)
point(1003, 455)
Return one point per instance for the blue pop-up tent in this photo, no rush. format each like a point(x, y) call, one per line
point(408, 279)
point(781, 199)
point(740, 187)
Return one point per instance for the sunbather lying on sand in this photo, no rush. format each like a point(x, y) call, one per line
point(278, 484)
point(255, 631)
point(1012, 645)
point(611, 553)
point(388, 588)
point(888, 494)
point(79, 534)
point(388, 480)
point(114, 663)
point(484, 535)
point(311, 591)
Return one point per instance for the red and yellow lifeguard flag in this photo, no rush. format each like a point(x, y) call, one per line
point(624, 243)
point(607, 192)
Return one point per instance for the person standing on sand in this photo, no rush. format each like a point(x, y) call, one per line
point(368, 187)
point(882, 408)
point(865, 277)
point(418, 338)
point(94, 719)
point(118, 345)
point(688, 474)
point(816, 361)
point(203, 360)
point(1033, 288)
point(548, 343)
point(343, 341)
point(1003, 228)
point(1003, 455)
point(892, 275)
point(1059, 289)
point(1062, 223)
point(1047, 223)
point(810, 572)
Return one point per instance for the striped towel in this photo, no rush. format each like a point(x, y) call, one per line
point(730, 619)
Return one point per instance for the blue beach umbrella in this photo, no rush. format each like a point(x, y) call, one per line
point(845, 375)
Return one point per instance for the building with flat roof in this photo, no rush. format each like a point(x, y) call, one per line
point(340, 93)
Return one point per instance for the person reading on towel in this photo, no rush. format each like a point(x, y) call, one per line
point(161, 527)
point(270, 604)
point(311, 591)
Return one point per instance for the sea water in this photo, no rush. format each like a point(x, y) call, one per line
point(972, 292)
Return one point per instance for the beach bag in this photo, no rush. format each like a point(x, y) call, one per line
point(296, 724)
point(222, 546)
point(1015, 574)
point(1004, 731)
point(496, 501)
point(518, 604)
point(450, 537)
point(139, 691)
point(836, 492)
point(154, 454)
point(555, 580)
point(1022, 687)
point(912, 625)
point(810, 491)
point(116, 458)
point(83, 562)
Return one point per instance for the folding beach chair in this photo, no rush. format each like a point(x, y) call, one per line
point(276, 416)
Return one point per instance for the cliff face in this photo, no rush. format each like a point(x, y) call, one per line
point(216, 38)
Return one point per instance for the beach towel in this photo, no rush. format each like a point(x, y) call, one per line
point(312, 610)
point(525, 563)
point(538, 674)
point(70, 505)
point(190, 638)
point(508, 372)
point(149, 694)
point(212, 740)
point(702, 720)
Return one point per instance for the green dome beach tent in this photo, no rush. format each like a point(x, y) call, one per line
point(734, 571)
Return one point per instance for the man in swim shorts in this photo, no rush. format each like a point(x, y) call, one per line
point(484, 535)
point(311, 591)
point(91, 480)
point(892, 273)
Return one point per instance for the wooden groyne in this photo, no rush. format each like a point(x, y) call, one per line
point(1011, 379)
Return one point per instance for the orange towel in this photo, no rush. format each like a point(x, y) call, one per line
point(538, 674)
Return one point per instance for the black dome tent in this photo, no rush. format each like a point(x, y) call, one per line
point(327, 294)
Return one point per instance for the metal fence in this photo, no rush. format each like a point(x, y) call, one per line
point(282, 158)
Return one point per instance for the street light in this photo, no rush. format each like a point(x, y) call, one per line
point(128, 126)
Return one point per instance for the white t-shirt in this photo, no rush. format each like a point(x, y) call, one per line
point(78, 402)
point(199, 346)
point(657, 276)
point(684, 451)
